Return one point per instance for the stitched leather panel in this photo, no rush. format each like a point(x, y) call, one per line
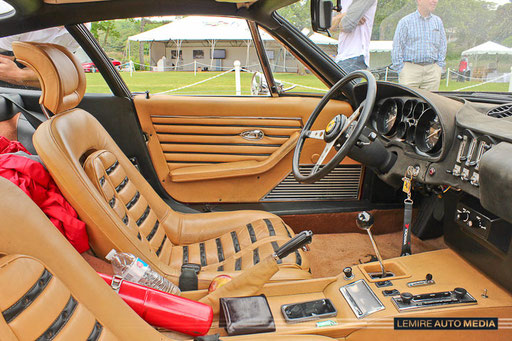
point(55, 314)
point(192, 140)
point(96, 332)
point(27, 299)
point(129, 204)
point(60, 321)
point(251, 232)
point(220, 251)
point(238, 249)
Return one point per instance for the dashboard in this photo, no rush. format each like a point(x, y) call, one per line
point(444, 138)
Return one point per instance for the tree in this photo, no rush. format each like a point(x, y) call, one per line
point(298, 14)
point(502, 29)
point(107, 27)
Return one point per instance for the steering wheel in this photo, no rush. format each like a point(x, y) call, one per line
point(341, 132)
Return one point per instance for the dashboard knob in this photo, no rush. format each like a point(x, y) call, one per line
point(460, 293)
point(406, 297)
point(348, 273)
point(463, 216)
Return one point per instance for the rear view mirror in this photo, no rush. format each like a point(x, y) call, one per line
point(321, 14)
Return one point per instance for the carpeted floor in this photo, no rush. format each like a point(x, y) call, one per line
point(330, 253)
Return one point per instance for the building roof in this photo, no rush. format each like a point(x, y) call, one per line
point(488, 48)
point(200, 28)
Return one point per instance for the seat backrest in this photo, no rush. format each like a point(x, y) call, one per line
point(47, 289)
point(121, 210)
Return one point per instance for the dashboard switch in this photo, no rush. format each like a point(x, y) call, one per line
point(406, 297)
point(456, 170)
point(459, 293)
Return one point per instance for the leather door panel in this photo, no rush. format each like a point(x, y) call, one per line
point(199, 154)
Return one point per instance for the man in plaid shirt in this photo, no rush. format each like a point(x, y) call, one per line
point(419, 47)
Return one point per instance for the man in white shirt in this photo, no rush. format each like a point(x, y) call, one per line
point(356, 23)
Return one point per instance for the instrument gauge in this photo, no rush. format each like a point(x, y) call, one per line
point(429, 132)
point(388, 117)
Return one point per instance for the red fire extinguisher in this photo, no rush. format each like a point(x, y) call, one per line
point(162, 309)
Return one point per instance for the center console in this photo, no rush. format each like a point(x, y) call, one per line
point(439, 284)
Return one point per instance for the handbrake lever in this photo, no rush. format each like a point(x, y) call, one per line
point(300, 240)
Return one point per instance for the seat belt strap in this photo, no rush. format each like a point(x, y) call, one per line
point(406, 239)
point(213, 337)
point(31, 118)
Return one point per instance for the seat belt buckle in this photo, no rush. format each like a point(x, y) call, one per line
point(117, 281)
point(188, 278)
point(191, 266)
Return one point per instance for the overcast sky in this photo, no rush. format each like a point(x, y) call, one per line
point(499, 2)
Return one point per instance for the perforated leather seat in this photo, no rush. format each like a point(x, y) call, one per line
point(120, 208)
point(48, 291)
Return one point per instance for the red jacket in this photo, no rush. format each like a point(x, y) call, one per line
point(36, 182)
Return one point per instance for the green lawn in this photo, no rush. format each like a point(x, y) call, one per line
point(224, 84)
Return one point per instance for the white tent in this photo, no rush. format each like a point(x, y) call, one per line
point(375, 45)
point(488, 48)
point(381, 46)
point(200, 28)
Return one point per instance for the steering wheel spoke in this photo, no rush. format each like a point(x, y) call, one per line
point(322, 157)
point(315, 134)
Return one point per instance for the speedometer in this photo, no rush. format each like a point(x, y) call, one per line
point(388, 117)
point(429, 132)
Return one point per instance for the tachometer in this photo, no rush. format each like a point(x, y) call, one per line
point(388, 117)
point(429, 132)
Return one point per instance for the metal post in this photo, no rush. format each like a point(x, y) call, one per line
point(447, 77)
point(237, 78)
point(195, 67)
point(131, 68)
point(510, 81)
point(386, 75)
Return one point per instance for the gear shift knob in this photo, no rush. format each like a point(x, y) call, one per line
point(364, 220)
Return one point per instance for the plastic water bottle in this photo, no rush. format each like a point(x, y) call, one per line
point(135, 270)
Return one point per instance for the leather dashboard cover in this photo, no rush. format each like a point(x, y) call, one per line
point(496, 180)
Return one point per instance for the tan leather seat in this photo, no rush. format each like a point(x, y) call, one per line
point(47, 290)
point(120, 208)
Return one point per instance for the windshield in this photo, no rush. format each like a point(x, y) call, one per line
point(445, 45)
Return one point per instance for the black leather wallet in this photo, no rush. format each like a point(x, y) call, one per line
point(246, 315)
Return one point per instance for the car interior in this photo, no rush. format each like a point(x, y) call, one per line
point(348, 211)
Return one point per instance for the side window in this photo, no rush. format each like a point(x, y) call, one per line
point(13, 74)
point(193, 55)
point(290, 74)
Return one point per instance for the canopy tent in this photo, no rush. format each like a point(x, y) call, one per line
point(201, 28)
point(375, 45)
point(488, 48)
point(481, 54)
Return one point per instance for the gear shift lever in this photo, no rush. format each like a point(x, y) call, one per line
point(365, 222)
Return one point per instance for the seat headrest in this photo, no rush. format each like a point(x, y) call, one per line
point(60, 74)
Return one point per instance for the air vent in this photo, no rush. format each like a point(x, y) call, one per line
point(342, 183)
point(501, 111)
